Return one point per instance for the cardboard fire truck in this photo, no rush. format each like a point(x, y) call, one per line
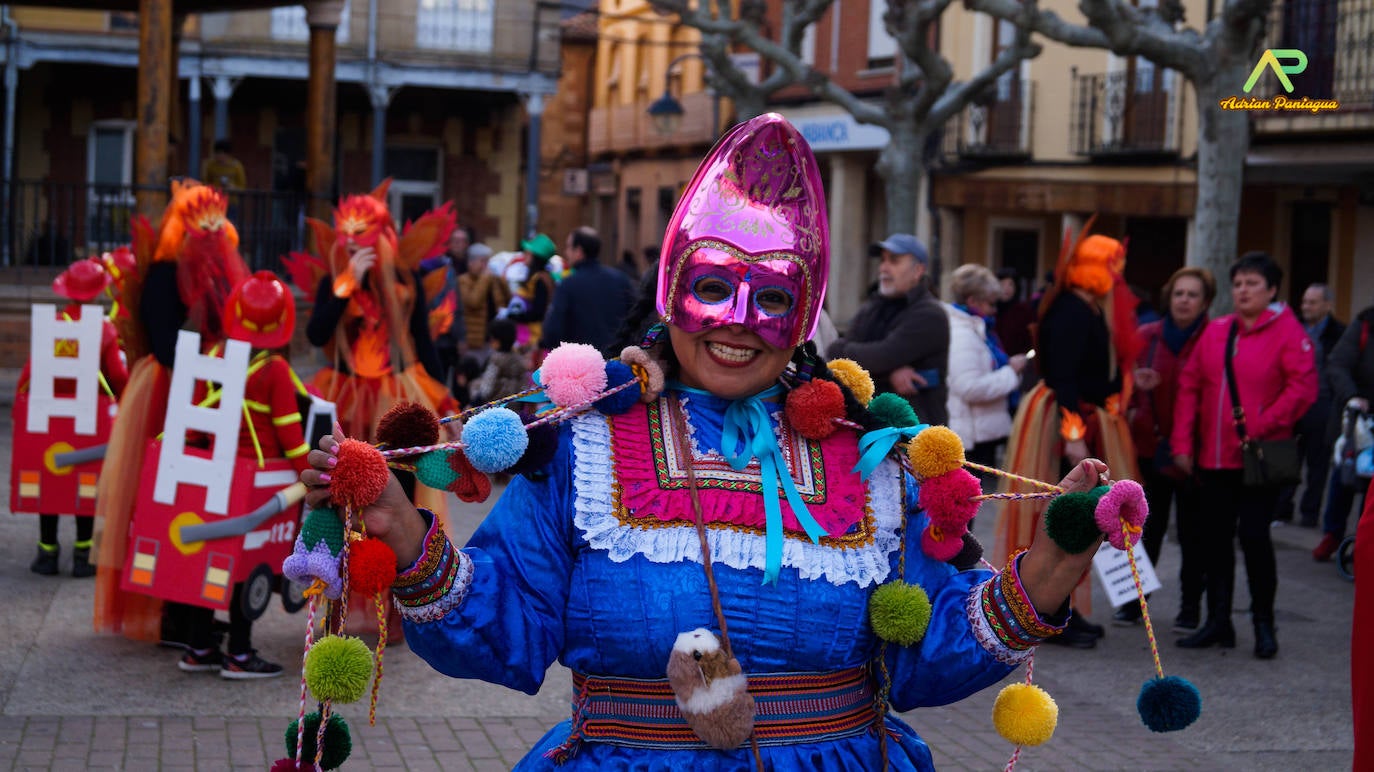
point(59, 439)
point(206, 517)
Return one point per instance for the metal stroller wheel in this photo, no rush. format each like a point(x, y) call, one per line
point(1345, 558)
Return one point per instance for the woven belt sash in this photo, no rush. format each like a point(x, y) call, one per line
point(789, 708)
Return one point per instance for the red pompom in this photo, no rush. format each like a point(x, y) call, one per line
point(359, 476)
point(468, 483)
point(812, 408)
point(288, 765)
point(948, 499)
point(371, 566)
point(408, 425)
point(941, 544)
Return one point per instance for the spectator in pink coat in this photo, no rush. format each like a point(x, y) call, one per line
point(1277, 381)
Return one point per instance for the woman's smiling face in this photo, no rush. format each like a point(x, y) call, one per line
point(731, 361)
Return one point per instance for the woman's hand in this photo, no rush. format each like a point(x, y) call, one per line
point(392, 518)
point(1048, 572)
point(361, 262)
point(1146, 378)
point(1184, 463)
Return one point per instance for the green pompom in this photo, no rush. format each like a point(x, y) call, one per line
point(892, 410)
point(434, 470)
point(323, 525)
point(338, 743)
point(1070, 523)
point(899, 612)
point(338, 669)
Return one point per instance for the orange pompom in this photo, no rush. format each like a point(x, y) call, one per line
point(371, 566)
point(359, 476)
point(812, 407)
point(935, 451)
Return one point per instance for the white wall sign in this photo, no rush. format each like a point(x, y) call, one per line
point(51, 357)
point(1113, 569)
point(833, 129)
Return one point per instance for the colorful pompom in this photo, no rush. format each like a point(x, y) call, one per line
point(495, 438)
point(572, 374)
point(812, 408)
point(893, 410)
point(468, 484)
point(338, 668)
point(934, 451)
point(323, 525)
point(1025, 714)
point(408, 425)
point(899, 612)
point(1069, 521)
point(1168, 704)
point(616, 374)
point(1122, 509)
point(647, 370)
point(305, 565)
point(360, 475)
point(543, 446)
point(940, 544)
point(338, 743)
point(371, 567)
point(433, 469)
point(970, 556)
point(854, 378)
point(948, 499)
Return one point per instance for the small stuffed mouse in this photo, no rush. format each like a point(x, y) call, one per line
point(711, 690)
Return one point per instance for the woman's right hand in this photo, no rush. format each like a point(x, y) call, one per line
point(391, 518)
point(1184, 462)
point(361, 262)
point(1146, 378)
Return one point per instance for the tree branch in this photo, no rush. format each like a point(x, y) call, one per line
point(956, 97)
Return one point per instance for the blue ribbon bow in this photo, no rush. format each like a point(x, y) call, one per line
point(875, 445)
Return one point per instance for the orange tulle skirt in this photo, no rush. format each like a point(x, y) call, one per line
point(1035, 449)
point(142, 410)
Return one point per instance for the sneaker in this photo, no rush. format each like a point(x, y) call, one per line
point(1326, 547)
point(191, 662)
point(246, 666)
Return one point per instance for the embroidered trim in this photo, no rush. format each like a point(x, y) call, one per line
point(1014, 594)
point(989, 629)
point(596, 503)
point(1003, 619)
point(450, 598)
point(428, 563)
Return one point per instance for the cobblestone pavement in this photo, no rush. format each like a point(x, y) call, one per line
point(70, 700)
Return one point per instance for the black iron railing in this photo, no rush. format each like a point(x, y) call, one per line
point(1337, 36)
point(997, 126)
point(48, 223)
point(1133, 111)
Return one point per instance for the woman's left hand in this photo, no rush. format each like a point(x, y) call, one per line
point(1048, 572)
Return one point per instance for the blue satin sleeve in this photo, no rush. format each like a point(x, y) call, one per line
point(949, 663)
point(509, 626)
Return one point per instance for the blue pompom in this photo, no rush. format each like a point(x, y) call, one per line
point(494, 439)
point(1168, 704)
point(618, 372)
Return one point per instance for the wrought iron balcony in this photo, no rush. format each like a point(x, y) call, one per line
point(1129, 112)
point(997, 127)
point(1337, 36)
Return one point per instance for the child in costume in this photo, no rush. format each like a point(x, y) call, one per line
point(707, 505)
point(261, 311)
point(506, 372)
point(82, 282)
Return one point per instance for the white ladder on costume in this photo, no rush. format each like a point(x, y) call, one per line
point(47, 333)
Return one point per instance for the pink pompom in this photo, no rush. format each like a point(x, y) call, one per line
point(948, 499)
point(1122, 509)
point(572, 374)
point(941, 544)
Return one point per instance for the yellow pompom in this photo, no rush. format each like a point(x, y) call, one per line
point(935, 451)
point(854, 378)
point(1025, 714)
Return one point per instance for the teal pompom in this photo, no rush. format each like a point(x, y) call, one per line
point(434, 470)
point(323, 525)
point(1168, 704)
point(1070, 521)
point(338, 669)
point(892, 410)
point(899, 612)
point(338, 742)
point(495, 440)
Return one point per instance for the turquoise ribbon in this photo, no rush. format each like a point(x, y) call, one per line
point(875, 445)
point(747, 434)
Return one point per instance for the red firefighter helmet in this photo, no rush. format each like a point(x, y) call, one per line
point(82, 281)
point(261, 311)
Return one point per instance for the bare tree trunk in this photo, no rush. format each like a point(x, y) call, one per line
point(749, 106)
point(1223, 140)
point(900, 165)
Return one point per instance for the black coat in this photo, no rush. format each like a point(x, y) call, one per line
point(588, 306)
point(1350, 367)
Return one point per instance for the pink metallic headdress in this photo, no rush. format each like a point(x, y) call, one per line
point(754, 218)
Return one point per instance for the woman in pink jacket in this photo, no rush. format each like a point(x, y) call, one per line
point(1277, 379)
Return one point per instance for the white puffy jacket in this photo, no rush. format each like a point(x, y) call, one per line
point(977, 400)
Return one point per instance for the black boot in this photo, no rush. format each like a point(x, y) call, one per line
point(81, 563)
point(1266, 645)
point(1213, 633)
point(46, 561)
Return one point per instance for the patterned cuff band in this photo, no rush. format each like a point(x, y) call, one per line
point(438, 580)
point(1003, 618)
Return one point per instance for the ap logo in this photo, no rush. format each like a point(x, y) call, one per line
point(1270, 60)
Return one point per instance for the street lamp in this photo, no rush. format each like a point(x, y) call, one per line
point(667, 112)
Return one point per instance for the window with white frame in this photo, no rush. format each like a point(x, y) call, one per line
point(288, 23)
point(454, 25)
point(882, 47)
point(415, 181)
point(109, 177)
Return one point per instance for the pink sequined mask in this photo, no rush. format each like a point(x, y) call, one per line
point(749, 243)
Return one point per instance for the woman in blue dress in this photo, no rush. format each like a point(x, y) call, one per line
point(597, 560)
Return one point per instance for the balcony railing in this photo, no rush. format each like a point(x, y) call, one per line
point(997, 128)
point(1130, 112)
point(628, 128)
point(1338, 38)
point(51, 223)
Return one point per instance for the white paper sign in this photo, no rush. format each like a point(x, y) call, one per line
point(1113, 569)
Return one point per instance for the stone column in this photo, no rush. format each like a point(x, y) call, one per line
point(154, 105)
point(321, 111)
point(849, 263)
